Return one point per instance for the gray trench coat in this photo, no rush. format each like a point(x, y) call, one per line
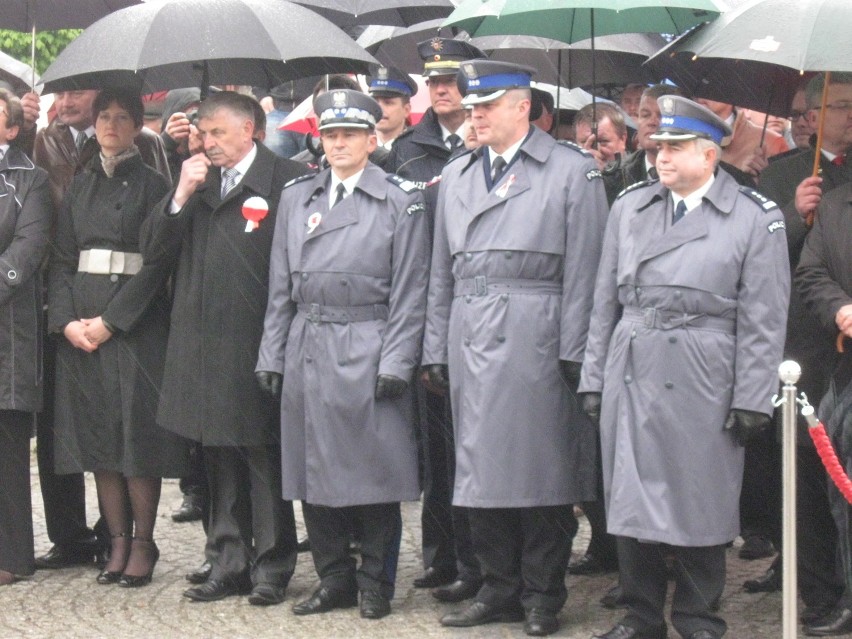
point(689, 323)
point(510, 295)
point(368, 259)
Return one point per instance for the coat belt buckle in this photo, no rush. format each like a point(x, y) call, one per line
point(650, 318)
point(314, 314)
point(100, 261)
point(480, 285)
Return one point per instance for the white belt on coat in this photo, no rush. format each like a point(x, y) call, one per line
point(107, 262)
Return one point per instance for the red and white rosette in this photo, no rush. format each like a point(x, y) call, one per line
point(254, 210)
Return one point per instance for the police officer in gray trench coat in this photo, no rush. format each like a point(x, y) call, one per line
point(510, 295)
point(684, 343)
point(347, 302)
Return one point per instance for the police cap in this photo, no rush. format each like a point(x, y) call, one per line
point(482, 81)
point(441, 56)
point(683, 119)
point(346, 108)
point(392, 82)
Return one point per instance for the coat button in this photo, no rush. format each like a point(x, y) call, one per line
point(628, 379)
point(638, 290)
point(632, 334)
point(501, 338)
point(504, 297)
point(12, 274)
point(467, 341)
point(113, 278)
point(304, 276)
point(508, 255)
point(341, 362)
point(118, 206)
point(468, 257)
point(669, 385)
point(467, 298)
point(678, 294)
point(672, 339)
point(309, 359)
point(344, 283)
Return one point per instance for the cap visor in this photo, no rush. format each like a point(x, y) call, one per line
point(343, 125)
point(475, 98)
point(663, 136)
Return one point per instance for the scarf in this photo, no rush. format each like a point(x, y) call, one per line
point(111, 163)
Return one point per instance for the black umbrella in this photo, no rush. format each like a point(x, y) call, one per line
point(400, 13)
point(168, 45)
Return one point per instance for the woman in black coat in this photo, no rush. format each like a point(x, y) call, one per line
point(113, 312)
point(25, 213)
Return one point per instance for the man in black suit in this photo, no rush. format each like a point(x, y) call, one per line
point(217, 225)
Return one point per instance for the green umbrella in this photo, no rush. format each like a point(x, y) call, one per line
point(573, 20)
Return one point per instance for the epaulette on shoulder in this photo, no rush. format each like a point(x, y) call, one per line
point(301, 178)
point(574, 146)
point(636, 185)
point(406, 185)
point(764, 202)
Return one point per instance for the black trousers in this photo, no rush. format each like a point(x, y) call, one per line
point(699, 582)
point(195, 483)
point(524, 554)
point(252, 531)
point(602, 545)
point(436, 518)
point(16, 513)
point(760, 497)
point(330, 529)
point(64, 496)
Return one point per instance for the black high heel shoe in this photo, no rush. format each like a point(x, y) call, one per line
point(137, 581)
point(107, 577)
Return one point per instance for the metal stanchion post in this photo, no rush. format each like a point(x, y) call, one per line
point(789, 372)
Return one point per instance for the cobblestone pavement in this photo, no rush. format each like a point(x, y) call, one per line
point(69, 604)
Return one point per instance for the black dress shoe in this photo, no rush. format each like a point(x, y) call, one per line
point(325, 599)
point(434, 577)
point(816, 613)
point(189, 510)
point(703, 634)
point(266, 594)
point(479, 613)
point(620, 631)
point(838, 622)
point(304, 545)
point(614, 598)
point(457, 591)
point(589, 564)
point(64, 555)
point(770, 581)
point(373, 605)
point(540, 623)
point(214, 590)
point(756, 547)
point(201, 575)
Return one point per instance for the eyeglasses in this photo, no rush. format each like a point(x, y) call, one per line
point(795, 115)
point(844, 106)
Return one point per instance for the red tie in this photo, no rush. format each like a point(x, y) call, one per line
point(839, 160)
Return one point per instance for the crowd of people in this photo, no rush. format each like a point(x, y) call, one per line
point(470, 310)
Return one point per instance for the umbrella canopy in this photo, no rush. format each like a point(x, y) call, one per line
point(47, 15)
point(382, 12)
point(167, 45)
point(398, 45)
point(618, 58)
point(16, 73)
point(574, 20)
point(754, 56)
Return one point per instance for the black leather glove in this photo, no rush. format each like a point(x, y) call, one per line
point(570, 372)
point(270, 382)
point(745, 425)
point(591, 405)
point(439, 375)
point(389, 387)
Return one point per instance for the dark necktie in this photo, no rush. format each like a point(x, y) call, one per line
point(652, 173)
point(80, 141)
point(229, 180)
point(497, 167)
point(839, 160)
point(341, 194)
point(454, 141)
point(680, 211)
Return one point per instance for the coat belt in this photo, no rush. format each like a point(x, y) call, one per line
point(319, 313)
point(482, 285)
point(666, 320)
point(107, 262)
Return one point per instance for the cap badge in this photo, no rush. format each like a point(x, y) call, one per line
point(470, 71)
point(382, 73)
point(668, 106)
point(339, 99)
point(437, 44)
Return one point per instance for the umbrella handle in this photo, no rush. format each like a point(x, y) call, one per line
point(818, 151)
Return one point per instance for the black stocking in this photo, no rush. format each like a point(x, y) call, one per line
point(115, 506)
point(144, 499)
